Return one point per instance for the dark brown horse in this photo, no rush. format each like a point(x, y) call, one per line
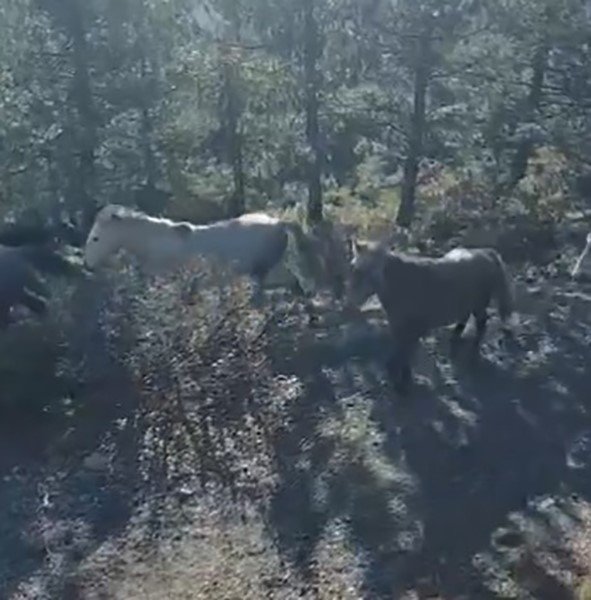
point(40, 234)
point(419, 294)
point(20, 283)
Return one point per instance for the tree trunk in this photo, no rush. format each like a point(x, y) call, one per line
point(237, 204)
point(148, 197)
point(233, 113)
point(53, 178)
point(83, 100)
point(311, 56)
point(146, 141)
point(414, 154)
point(147, 127)
point(526, 146)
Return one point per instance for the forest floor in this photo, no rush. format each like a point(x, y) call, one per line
point(477, 486)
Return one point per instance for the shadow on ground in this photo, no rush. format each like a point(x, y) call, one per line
point(423, 487)
point(67, 468)
point(444, 493)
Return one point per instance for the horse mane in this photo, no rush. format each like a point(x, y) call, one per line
point(127, 213)
point(118, 210)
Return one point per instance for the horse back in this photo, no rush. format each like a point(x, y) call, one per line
point(437, 291)
point(254, 242)
point(479, 269)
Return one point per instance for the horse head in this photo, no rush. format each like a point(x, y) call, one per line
point(105, 236)
point(366, 271)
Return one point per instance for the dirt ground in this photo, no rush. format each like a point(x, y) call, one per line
point(476, 487)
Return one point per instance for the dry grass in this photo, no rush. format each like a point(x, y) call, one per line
point(216, 556)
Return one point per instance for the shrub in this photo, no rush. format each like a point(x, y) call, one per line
point(200, 357)
point(544, 189)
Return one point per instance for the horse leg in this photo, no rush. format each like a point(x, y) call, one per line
point(308, 307)
point(399, 363)
point(401, 372)
point(481, 316)
point(258, 295)
point(402, 376)
point(296, 288)
point(456, 335)
point(298, 291)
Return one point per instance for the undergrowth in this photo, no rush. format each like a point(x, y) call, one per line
point(200, 357)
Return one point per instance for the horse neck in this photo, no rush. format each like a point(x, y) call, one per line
point(135, 236)
point(393, 267)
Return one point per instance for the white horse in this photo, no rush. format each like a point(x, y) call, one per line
point(252, 244)
point(582, 263)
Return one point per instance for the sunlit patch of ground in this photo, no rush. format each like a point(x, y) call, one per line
point(542, 552)
point(330, 485)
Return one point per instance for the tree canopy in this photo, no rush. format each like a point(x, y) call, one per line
point(208, 109)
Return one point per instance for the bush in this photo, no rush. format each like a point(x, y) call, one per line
point(29, 357)
point(544, 189)
point(35, 367)
point(200, 357)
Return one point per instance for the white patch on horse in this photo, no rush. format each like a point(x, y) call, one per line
point(459, 254)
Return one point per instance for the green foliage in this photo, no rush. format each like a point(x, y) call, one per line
point(584, 590)
point(139, 89)
point(367, 217)
point(544, 189)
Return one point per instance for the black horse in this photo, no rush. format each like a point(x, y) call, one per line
point(49, 234)
point(19, 284)
point(420, 293)
point(26, 250)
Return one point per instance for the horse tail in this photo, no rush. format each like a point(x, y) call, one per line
point(303, 246)
point(504, 291)
point(323, 254)
point(297, 234)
